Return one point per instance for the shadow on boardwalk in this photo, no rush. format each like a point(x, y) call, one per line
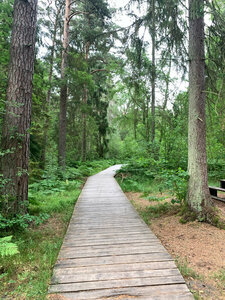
point(110, 253)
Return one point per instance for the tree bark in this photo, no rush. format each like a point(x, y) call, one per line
point(84, 133)
point(199, 198)
point(135, 121)
point(63, 91)
point(153, 33)
point(15, 141)
point(167, 85)
point(84, 115)
point(147, 123)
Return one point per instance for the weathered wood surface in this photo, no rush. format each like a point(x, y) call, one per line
point(222, 183)
point(110, 253)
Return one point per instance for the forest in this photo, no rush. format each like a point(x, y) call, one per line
point(88, 84)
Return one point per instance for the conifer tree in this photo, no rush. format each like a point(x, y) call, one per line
point(63, 90)
point(15, 141)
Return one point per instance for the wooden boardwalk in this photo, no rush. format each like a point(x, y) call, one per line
point(110, 253)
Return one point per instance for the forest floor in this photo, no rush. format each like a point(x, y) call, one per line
point(198, 248)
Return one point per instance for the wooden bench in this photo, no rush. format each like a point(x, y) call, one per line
point(214, 189)
point(222, 183)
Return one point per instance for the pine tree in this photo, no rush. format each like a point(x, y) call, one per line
point(15, 131)
point(63, 91)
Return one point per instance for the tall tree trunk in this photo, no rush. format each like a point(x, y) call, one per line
point(147, 123)
point(153, 34)
point(135, 121)
point(167, 85)
point(63, 91)
point(84, 119)
point(84, 115)
point(48, 97)
point(199, 199)
point(165, 100)
point(15, 132)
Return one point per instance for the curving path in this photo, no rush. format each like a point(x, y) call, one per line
point(110, 253)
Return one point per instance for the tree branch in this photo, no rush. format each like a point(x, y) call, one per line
point(98, 70)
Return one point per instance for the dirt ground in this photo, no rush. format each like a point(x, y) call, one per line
point(198, 248)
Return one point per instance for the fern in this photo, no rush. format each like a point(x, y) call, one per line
point(7, 247)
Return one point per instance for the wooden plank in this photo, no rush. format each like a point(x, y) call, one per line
point(174, 296)
point(117, 268)
point(114, 237)
point(117, 235)
point(71, 253)
point(88, 277)
point(85, 286)
point(106, 227)
point(103, 242)
point(217, 188)
point(218, 198)
point(108, 260)
point(164, 292)
point(99, 236)
point(222, 183)
point(107, 231)
point(111, 246)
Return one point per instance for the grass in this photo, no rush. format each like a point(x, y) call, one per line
point(185, 270)
point(27, 274)
point(55, 202)
point(156, 211)
point(153, 198)
point(137, 184)
point(214, 182)
point(220, 278)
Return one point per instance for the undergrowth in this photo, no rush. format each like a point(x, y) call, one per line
point(151, 179)
point(32, 241)
point(26, 275)
point(156, 211)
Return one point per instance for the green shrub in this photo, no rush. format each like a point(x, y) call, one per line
point(21, 222)
point(7, 247)
point(175, 181)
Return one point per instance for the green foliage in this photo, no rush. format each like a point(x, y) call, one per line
point(79, 170)
point(142, 172)
point(6, 11)
point(29, 273)
point(216, 168)
point(54, 202)
point(145, 167)
point(7, 247)
point(158, 210)
point(21, 222)
point(155, 198)
point(175, 181)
